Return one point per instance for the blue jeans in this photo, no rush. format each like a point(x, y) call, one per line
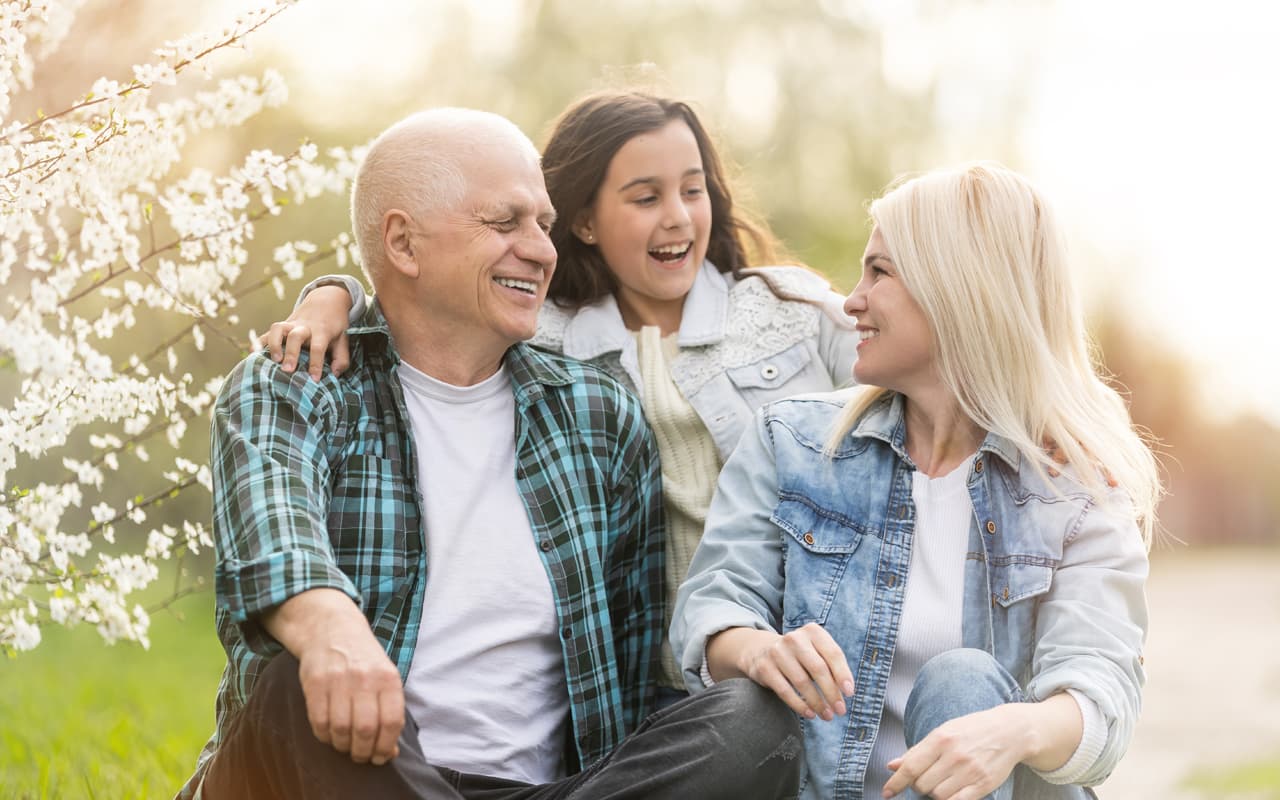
point(964, 681)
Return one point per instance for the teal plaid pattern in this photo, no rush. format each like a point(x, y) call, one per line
point(315, 485)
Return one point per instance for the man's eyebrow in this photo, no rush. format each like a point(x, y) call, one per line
point(869, 257)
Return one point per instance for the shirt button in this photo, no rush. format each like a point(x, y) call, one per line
point(768, 372)
point(808, 538)
point(545, 544)
point(991, 526)
point(566, 632)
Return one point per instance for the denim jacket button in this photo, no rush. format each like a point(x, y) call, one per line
point(977, 465)
point(991, 526)
point(808, 538)
point(768, 372)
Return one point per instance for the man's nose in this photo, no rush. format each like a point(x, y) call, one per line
point(536, 246)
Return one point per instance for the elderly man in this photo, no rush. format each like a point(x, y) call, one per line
point(440, 574)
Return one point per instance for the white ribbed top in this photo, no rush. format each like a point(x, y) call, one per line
point(932, 604)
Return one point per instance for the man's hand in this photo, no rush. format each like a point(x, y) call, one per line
point(355, 701)
point(321, 319)
point(805, 668)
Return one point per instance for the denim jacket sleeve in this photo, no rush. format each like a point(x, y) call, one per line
point(1091, 625)
point(736, 578)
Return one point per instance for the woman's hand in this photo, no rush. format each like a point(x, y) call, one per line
point(806, 668)
point(321, 319)
point(963, 759)
point(968, 757)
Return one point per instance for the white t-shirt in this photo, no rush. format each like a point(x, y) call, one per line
point(487, 686)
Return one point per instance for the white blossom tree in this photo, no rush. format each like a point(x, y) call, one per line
point(103, 229)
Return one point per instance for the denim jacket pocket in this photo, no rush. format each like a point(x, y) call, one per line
point(817, 547)
point(772, 371)
point(1016, 588)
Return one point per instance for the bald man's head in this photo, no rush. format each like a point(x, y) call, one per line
point(419, 165)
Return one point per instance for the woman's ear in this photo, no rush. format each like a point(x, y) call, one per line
point(397, 243)
point(584, 226)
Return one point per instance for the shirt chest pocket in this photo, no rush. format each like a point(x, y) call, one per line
point(373, 520)
point(1016, 589)
point(818, 546)
point(779, 375)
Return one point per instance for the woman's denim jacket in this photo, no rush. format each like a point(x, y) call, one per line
point(1053, 583)
point(740, 345)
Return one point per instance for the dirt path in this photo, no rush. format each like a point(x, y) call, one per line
point(1213, 671)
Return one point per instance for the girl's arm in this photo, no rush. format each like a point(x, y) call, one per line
point(325, 309)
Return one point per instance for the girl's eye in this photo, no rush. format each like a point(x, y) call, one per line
point(695, 191)
point(647, 200)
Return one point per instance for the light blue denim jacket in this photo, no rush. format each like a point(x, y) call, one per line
point(1053, 583)
point(740, 345)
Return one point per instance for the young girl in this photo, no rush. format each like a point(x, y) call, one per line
point(954, 613)
point(653, 285)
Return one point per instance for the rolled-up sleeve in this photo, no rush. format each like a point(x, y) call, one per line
point(270, 494)
point(1091, 625)
point(735, 579)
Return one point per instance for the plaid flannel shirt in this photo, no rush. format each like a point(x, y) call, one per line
point(315, 485)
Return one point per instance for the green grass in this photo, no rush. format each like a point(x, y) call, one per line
point(81, 719)
point(1256, 780)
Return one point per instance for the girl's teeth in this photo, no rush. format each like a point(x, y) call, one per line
point(865, 335)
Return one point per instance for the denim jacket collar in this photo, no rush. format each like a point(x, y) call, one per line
point(887, 421)
point(598, 328)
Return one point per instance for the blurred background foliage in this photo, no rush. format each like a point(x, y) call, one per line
point(803, 104)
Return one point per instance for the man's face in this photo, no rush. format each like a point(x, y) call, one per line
point(485, 264)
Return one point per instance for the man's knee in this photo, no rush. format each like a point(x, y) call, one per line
point(278, 690)
point(756, 721)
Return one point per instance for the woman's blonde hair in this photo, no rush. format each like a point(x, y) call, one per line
point(979, 248)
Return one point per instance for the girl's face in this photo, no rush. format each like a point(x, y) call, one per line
point(652, 220)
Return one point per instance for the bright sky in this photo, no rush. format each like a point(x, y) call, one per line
point(1155, 126)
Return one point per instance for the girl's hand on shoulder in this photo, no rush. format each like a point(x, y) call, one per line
point(321, 320)
point(805, 668)
point(966, 758)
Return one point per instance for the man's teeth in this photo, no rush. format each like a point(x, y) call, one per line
point(864, 335)
point(524, 286)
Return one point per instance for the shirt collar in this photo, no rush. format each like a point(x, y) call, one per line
point(598, 328)
point(531, 369)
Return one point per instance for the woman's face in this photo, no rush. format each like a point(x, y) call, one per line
point(896, 351)
point(651, 220)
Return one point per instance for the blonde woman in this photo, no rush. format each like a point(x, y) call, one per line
point(953, 613)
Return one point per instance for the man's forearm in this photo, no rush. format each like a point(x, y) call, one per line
point(315, 617)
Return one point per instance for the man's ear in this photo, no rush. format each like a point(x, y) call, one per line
point(397, 243)
point(584, 226)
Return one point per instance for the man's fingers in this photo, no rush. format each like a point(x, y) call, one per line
point(365, 726)
point(318, 711)
point(340, 723)
point(391, 717)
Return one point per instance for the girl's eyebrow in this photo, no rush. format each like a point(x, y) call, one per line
point(691, 171)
